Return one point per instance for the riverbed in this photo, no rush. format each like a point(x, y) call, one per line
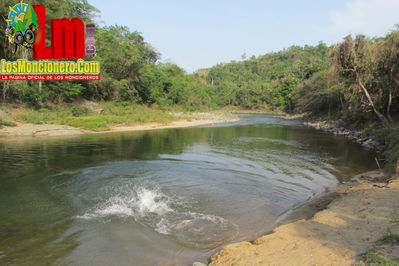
point(164, 196)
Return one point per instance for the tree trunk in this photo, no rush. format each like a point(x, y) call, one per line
point(290, 106)
point(4, 91)
point(383, 119)
point(389, 105)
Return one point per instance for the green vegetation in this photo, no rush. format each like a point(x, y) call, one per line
point(268, 80)
point(71, 115)
point(6, 123)
point(130, 72)
point(355, 81)
point(374, 258)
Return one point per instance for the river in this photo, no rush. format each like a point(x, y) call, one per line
point(163, 196)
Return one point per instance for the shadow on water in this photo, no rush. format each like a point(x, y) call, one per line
point(170, 190)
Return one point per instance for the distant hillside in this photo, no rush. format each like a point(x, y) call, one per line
point(265, 80)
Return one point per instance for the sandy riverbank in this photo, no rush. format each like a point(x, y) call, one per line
point(361, 214)
point(30, 130)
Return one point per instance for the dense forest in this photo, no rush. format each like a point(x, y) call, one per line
point(268, 80)
point(356, 80)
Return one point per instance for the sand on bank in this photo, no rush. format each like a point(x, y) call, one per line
point(175, 124)
point(360, 215)
point(26, 130)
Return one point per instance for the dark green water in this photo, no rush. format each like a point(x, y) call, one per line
point(161, 197)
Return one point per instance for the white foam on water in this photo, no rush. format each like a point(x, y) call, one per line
point(167, 215)
point(118, 210)
point(151, 201)
point(136, 202)
point(114, 206)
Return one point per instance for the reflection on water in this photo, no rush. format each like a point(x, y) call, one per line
point(161, 197)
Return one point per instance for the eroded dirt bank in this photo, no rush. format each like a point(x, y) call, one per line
point(364, 212)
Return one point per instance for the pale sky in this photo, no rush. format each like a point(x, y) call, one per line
point(200, 34)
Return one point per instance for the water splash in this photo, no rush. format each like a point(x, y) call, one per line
point(167, 215)
point(151, 201)
point(131, 202)
point(115, 206)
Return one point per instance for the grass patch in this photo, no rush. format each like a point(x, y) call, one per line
point(88, 122)
point(72, 115)
point(133, 114)
point(6, 123)
point(54, 115)
point(373, 258)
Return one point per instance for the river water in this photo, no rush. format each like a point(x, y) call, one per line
point(165, 196)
